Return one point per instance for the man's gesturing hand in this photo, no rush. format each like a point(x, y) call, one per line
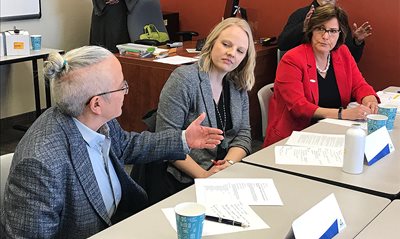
point(199, 137)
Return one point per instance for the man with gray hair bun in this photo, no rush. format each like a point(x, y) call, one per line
point(67, 178)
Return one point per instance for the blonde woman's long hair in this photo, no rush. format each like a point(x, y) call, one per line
point(243, 75)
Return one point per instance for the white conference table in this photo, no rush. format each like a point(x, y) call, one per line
point(385, 225)
point(298, 195)
point(381, 178)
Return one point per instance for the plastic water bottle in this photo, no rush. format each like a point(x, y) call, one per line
point(353, 160)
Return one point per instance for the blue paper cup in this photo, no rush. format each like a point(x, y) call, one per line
point(375, 121)
point(36, 41)
point(390, 112)
point(189, 220)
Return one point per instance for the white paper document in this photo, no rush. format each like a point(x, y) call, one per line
point(313, 156)
point(304, 148)
point(347, 123)
point(249, 191)
point(390, 98)
point(377, 145)
point(192, 50)
point(307, 139)
point(324, 220)
point(177, 60)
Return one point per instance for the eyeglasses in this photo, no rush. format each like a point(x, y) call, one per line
point(125, 88)
point(331, 32)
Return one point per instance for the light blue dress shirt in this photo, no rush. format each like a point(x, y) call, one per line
point(98, 146)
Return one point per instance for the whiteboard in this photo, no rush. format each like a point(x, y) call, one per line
point(19, 9)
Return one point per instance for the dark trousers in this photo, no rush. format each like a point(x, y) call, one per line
point(110, 28)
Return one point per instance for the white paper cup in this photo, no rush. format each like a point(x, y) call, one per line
point(189, 220)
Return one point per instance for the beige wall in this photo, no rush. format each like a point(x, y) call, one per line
point(64, 25)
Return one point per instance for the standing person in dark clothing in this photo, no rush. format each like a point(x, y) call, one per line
point(109, 23)
point(293, 33)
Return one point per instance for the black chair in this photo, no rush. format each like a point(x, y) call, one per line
point(149, 12)
point(187, 35)
point(152, 177)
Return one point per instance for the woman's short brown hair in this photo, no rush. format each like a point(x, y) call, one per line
point(323, 14)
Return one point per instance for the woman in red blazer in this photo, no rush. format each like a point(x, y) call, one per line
point(318, 79)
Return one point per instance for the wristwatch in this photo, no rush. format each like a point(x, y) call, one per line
point(339, 113)
point(230, 161)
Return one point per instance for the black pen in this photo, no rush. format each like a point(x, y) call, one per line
point(226, 221)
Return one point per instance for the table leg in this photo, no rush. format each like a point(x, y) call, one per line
point(47, 91)
point(36, 87)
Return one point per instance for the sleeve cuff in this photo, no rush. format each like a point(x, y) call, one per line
point(186, 148)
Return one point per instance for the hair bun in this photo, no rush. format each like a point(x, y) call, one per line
point(55, 66)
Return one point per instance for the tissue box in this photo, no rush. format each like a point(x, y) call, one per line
point(2, 44)
point(17, 43)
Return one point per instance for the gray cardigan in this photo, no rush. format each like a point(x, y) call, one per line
point(185, 95)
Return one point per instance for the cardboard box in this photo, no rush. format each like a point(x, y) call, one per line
point(17, 43)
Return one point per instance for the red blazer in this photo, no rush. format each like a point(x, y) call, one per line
point(295, 97)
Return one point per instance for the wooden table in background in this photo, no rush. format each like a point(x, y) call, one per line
point(146, 79)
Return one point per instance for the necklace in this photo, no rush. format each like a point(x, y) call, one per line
point(327, 65)
point(224, 143)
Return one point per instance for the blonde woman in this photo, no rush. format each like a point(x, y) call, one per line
point(217, 85)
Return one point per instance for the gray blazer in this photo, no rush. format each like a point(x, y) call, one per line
point(185, 95)
point(52, 192)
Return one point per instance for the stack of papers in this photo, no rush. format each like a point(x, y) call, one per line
point(304, 148)
point(177, 60)
point(347, 123)
point(192, 50)
point(390, 98)
point(138, 48)
point(230, 198)
point(250, 191)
